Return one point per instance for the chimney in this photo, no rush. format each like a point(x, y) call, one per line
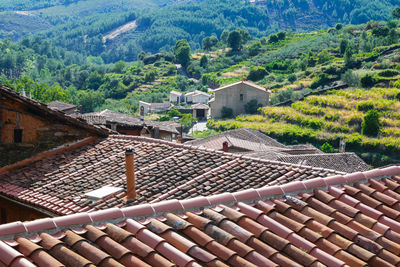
point(130, 175)
point(179, 139)
point(225, 146)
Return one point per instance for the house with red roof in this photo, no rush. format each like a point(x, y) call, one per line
point(63, 181)
point(340, 220)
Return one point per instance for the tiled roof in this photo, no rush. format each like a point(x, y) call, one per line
point(200, 106)
point(350, 220)
point(44, 110)
point(163, 169)
point(345, 162)
point(255, 144)
point(60, 105)
point(241, 133)
point(256, 86)
point(128, 120)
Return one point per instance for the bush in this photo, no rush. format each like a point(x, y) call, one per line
point(350, 78)
point(322, 79)
point(252, 106)
point(389, 73)
point(174, 113)
point(226, 112)
point(292, 78)
point(371, 125)
point(365, 106)
point(257, 74)
point(367, 81)
point(327, 148)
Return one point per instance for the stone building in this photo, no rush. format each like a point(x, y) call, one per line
point(28, 127)
point(235, 96)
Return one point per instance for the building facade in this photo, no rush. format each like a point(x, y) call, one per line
point(236, 96)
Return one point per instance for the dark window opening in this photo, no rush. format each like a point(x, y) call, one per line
point(18, 135)
point(3, 215)
point(241, 97)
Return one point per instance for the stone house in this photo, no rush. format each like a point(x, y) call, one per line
point(197, 97)
point(146, 108)
point(235, 96)
point(28, 127)
point(176, 97)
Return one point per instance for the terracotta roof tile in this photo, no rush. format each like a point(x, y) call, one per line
point(317, 227)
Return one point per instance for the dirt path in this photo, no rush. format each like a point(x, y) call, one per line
point(120, 30)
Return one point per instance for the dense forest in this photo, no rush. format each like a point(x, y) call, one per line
point(80, 25)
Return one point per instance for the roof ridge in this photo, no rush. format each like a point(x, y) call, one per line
point(200, 148)
point(13, 229)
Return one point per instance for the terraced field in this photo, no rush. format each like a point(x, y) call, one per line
point(329, 118)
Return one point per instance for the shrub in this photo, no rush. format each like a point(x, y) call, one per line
point(367, 81)
point(389, 73)
point(371, 125)
point(322, 79)
point(350, 78)
point(365, 106)
point(257, 74)
point(292, 78)
point(252, 106)
point(327, 148)
point(226, 112)
point(187, 121)
point(174, 113)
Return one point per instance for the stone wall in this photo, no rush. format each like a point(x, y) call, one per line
point(39, 133)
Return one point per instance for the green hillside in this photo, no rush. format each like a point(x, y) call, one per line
point(81, 25)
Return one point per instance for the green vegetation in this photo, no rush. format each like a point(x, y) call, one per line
point(327, 148)
point(332, 117)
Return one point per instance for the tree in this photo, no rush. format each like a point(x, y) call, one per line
point(343, 45)
point(187, 121)
point(371, 125)
point(327, 148)
point(348, 56)
point(174, 113)
point(119, 66)
point(182, 52)
point(396, 13)
point(234, 40)
point(209, 42)
point(257, 74)
point(252, 106)
point(224, 36)
point(367, 81)
point(339, 26)
point(204, 61)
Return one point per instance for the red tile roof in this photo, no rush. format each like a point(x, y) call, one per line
point(164, 170)
point(348, 220)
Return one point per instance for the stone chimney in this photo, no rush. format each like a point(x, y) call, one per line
point(130, 176)
point(225, 146)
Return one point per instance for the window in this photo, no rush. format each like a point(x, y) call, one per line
point(3, 215)
point(241, 97)
point(18, 135)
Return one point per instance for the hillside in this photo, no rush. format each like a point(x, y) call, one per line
point(81, 25)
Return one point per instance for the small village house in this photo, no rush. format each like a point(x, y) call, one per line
point(197, 97)
point(235, 96)
point(146, 108)
point(176, 97)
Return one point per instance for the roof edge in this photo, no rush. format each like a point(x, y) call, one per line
point(13, 229)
